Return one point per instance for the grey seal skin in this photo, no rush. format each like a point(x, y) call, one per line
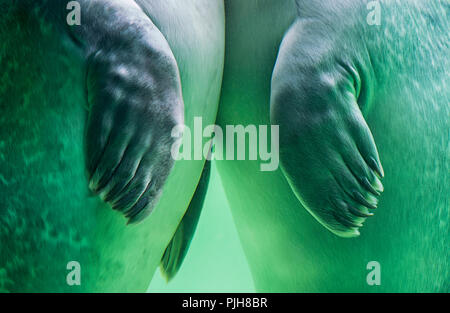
point(135, 100)
point(353, 101)
point(327, 150)
point(322, 91)
point(86, 118)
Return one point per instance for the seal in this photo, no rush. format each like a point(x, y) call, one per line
point(93, 105)
point(353, 101)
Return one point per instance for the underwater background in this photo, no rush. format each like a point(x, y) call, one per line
point(215, 261)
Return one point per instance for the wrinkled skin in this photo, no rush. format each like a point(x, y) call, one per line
point(344, 106)
point(353, 102)
point(327, 149)
point(135, 100)
point(85, 140)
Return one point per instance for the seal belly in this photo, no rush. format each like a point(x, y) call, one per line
point(262, 204)
point(287, 249)
point(48, 216)
point(409, 121)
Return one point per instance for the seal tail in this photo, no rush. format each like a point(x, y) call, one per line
point(177, 248)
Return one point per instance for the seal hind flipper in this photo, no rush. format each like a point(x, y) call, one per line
point(177, 248)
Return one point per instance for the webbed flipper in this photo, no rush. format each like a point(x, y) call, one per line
point(179, 245)
point(327, 151)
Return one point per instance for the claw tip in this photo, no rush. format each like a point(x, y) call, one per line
point(376, 166)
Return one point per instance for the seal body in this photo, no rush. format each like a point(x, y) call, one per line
point(288, 250)
point(48, 216)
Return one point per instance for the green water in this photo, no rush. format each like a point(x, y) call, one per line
point(215, 261)
point(285, 247)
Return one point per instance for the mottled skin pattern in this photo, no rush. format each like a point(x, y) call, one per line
point(342, 91)
point(96, 104)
